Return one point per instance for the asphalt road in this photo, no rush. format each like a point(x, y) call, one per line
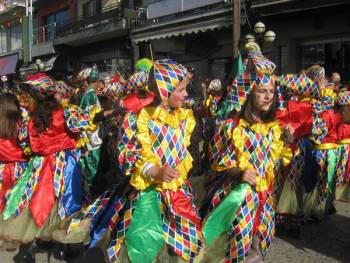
point(325, 242)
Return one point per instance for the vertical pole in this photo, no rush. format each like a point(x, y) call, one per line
point(31, 30)
point(236, 26)
point(27, 11)
point(151, 51)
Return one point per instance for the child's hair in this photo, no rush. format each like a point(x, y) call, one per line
point(9, 115)
point(44, 106)
point(152, 87)
point(247, 111)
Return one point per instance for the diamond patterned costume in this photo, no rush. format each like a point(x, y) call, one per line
point(256, 147)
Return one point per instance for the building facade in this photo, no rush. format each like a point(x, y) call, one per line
point(11, 13)
point(195, 33)
point(308, 33)
point(73, 33)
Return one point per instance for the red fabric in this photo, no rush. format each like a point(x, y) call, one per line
point(262, 196)
point(332, 120)
point(343, 131)
point(133, 103)
point(8, 180)
point(43, 198)
point(10, 151)
point(298, 115)
point(181, 204)
point(56, 138)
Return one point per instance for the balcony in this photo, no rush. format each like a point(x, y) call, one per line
point(201, 19)
point(143, 20)
point(99, 25)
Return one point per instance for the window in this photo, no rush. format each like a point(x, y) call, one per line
point(91, 8)
point(54, 20)
point(16, 37)
point(60, 18)
point(3, 40)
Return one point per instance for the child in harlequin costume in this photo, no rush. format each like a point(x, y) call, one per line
point(325, 120)
point(210, 107)
point(52, 190)
point(91, 158)
point(238, 212)
point(13, 161)
point(150, 215)
point(289, 188)
point(342, 177)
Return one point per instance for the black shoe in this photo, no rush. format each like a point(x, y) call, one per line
point(44, 245)
point(24, 257)
point(66, 252)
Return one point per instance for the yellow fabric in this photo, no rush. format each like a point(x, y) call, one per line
point(345, 141)
point(141, 181)
point(208, 101)
point(82, 142)
point(92, 126)
point(278, 150)
point(328, 92)
point(326, 146)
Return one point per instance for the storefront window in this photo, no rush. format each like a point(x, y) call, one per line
point(16, 37)
point(312, 55)
point(3, 40)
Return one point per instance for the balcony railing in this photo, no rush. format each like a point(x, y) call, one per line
point(94, 19)
point(44, 33)
point(144, 21)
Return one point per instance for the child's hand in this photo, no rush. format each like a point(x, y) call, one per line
point(249, 177)
point(165, 174)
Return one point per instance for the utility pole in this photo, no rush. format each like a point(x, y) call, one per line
point(27, 32)
point(236, 19)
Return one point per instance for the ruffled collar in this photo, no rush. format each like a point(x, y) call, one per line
point(171, 117)
point(262, 128)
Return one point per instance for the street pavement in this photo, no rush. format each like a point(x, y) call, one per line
point(325, 242)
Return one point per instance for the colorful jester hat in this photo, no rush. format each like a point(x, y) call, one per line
point(41, 83)
point(316, 73)
point(64, 90)
point(259, 72)
point(114, 89)
point(298, 85)
point(137, 81)
point(89, 74)
point(168, 74)
point(343, 98)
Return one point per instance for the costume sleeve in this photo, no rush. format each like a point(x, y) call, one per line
point(190, 123)
point(23, 136)
point(90, 98)
point(298, 116)
point(140, 180)
point(79, 120)
point(127, 146)
point(222, 153)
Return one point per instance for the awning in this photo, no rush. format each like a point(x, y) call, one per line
point(192, 27)
point(8, 64)
point(33, 68)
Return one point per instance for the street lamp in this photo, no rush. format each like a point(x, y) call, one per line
point(259, 29)
point(4, 80)
point(249, 38)
point(269, 36)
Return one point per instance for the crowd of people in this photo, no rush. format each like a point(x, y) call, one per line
point(140, 170)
